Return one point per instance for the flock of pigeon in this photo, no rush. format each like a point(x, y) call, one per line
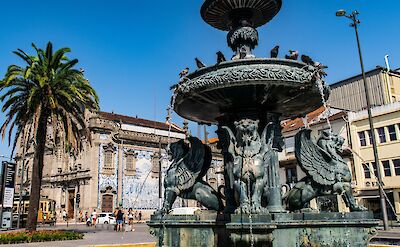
point(293, 55)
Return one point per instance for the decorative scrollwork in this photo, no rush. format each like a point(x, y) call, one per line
point(244, 74)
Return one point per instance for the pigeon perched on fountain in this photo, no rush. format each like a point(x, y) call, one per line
point(199, 63)
point(183, 72)
point(293, 55)
point(220, 57)
point(307, 60)
point(275, 52)
point(320, 68)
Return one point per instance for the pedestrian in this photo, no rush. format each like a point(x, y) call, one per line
point(136, 215)
point(130, 219)
point(88, 221)
point(115, 216)
point(120, 220)
point(140, 216)
point(64, 215)
point(94, 217)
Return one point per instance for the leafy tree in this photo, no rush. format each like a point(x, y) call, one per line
point(46, 93)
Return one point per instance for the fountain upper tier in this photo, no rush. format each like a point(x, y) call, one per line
point(222, 14)
point(250, 88)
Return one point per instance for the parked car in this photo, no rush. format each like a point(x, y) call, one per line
point(106, 218)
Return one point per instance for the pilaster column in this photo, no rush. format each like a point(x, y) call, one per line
point(120, 173)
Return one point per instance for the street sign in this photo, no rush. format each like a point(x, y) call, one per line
point(1, 182)
point(6, 219)
point(9, 182)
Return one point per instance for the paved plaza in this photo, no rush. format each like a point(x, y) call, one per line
point(104, 235)
point(101, 235)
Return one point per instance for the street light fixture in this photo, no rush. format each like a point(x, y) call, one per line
point(355, 22)
point(341, 12)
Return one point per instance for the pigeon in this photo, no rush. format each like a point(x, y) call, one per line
point(184, 72)
point(199, 63)
point(275, 52)
point(308, 60)
point(220, 57)
point(294, 55)
point(320, 65)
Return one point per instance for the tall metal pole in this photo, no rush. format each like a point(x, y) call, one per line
point(20, 191)
point(159, 171)
point(355, 23)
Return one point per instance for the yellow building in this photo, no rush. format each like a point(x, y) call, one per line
point(387, 131)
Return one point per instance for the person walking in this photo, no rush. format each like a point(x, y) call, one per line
point(130, 219)
point(120, 220)
point(94, 217)
point(140, 216)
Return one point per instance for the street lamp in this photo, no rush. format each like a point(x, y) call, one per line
point(355, 22)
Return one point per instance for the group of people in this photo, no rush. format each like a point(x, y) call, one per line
point(129, 217)
point(121, 217)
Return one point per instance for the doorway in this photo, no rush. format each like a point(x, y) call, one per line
point(107, 203)
point(71, 204)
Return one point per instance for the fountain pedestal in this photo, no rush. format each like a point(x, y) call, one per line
point(205, 229)
point(210, 229)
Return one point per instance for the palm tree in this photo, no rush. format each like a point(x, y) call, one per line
point(47, 93)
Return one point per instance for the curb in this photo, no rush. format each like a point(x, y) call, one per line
point(152, 244)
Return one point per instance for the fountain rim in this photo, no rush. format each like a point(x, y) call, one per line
point(270, 72)
point(248, 62)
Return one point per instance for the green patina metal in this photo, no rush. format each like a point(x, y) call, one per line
point(247, 98)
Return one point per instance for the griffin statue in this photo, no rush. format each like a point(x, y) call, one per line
point(191, 160)
point(327, 172)
point(249, 152)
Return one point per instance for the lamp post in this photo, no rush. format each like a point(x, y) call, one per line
point(355, 22)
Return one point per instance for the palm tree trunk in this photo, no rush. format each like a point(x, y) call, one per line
point(37, 172)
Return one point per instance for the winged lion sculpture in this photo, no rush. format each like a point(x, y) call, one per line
point(327, 172)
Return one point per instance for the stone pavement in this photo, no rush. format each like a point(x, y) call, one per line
point(97, 236)
point(104, 235)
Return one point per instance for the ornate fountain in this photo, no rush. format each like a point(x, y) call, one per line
point(247, 98)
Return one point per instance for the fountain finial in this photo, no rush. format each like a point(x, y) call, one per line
point(240, 18)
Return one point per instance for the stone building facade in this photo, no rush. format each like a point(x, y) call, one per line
point(119, 166)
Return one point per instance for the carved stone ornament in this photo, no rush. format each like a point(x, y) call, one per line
point(110, 147)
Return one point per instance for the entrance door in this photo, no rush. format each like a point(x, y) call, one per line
point(71, 204)
point(107, 203)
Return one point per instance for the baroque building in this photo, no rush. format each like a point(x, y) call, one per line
point(119, 166)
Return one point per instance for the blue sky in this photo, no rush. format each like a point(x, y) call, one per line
point(132, 51)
